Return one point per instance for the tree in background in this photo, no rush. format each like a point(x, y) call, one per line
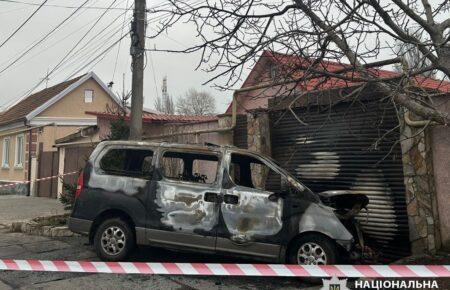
point(358, 34)
point(412, 57)
point(165, 105)
point(120, 129)
point(196, 103)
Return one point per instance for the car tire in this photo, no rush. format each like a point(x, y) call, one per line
point(313, 249)
point(114, 240)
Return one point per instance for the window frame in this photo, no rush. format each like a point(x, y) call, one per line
point(261, 160)
point(275, 167)
point(85, 96)
point(4, 153)
point(101, 171)
point(218, 154)
point(19, 150)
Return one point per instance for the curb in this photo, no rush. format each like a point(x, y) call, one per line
point(32, 227)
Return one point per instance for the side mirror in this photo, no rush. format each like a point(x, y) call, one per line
point(274, 197)
point(284, 186)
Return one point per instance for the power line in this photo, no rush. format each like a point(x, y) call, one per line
point(73, 48)
point(94, 46)
point(43, 38)
point(118, 49)
point(35, 41)
point(72, 7)
point(60, 6)
point(58, 41)
point(154, 74)
point(23, 24)
point(98, 56)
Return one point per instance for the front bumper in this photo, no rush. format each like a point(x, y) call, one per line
point(346, 244)
point(79, 226)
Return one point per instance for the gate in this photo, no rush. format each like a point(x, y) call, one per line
point(355, 148)
point(48, 166)
point(75, 159)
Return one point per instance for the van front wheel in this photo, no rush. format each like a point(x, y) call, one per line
point(113, 240)
point(312, 249)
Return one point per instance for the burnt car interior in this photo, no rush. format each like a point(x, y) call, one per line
point(190, 166)
point(251, 172)
point(128, 162)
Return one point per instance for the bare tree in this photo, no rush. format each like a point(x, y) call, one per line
point(196, 103)
point(165, 105)
point(412, 56)
point(359, 34)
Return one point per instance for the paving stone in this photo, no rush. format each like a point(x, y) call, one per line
point(10, 252)
point(45, 246)
point(75, 249)
point(4, 286)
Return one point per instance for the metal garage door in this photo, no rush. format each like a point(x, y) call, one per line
point(337, 150)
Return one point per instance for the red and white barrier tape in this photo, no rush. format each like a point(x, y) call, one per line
point(356, 271)
point(39, 179)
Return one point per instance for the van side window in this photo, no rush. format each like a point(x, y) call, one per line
point(190, 166)
point(250, 172)
point(129, 162)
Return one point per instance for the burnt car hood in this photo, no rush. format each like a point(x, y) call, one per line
point(345, 203)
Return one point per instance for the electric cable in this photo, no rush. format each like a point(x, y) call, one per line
point(23, 24)
point(43, 38)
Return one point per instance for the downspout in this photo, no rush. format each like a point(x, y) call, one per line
point(30, 143)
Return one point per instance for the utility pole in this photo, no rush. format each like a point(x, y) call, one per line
point(137, 52)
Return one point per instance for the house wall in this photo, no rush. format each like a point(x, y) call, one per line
point(11, 172)
point(440, 145)
point(150, 130)
point(71, 108)
point(421, 197)
point(49, 134)
point(73, 105)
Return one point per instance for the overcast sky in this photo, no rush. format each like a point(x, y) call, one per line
point(31, 69)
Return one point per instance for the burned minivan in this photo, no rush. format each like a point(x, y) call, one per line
point(213, 199)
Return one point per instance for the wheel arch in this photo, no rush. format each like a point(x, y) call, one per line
point(111, 213)
point(295, 238)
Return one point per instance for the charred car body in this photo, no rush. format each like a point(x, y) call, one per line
point(215, 199)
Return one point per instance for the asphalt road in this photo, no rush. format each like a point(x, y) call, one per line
point(21, 246)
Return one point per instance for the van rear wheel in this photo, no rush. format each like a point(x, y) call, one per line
point(113, 240)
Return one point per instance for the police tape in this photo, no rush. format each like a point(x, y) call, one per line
point(39, 179)
point(213, 269)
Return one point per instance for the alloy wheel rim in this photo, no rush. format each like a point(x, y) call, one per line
point(113, 240)
point(311, 254)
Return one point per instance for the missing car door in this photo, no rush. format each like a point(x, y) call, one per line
point(252, 221)
point(187, 195)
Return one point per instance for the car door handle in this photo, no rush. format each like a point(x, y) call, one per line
point(231, 199)
point(211, 197)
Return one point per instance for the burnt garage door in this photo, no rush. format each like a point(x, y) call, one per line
point(338, 150)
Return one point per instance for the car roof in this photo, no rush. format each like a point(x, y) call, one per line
point(206, 147)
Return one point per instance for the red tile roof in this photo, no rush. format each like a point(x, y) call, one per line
point(19, 111)
point(261, 71)
point(159, 118)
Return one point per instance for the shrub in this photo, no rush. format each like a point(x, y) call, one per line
point(67, 197)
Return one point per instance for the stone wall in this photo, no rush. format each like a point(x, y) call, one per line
point(258, 130)
point(420, 191)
